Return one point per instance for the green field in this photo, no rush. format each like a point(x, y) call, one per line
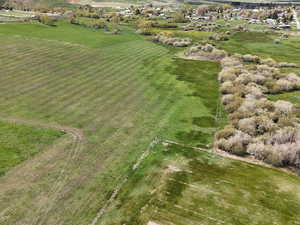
point(262, 44)
point(122, 91)
point(206, 189)
point(21, 142)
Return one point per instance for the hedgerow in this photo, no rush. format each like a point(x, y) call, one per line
point(270, 131)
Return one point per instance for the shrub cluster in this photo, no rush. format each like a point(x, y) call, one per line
point(174, 41)
point(97, 24)
point(209, 27)
point(88, 14)
point(219, 37)
point(270, 131)
point(207, 51)
point(45, 19)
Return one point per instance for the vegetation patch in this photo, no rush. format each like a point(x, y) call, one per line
point(21, 142)
point(262, 44)
point(207, 189)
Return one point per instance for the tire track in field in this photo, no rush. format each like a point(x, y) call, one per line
point(56, 191)
point(76, 134)
point(77, 144)
point(43, 217)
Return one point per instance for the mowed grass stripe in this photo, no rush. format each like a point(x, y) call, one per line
point(71, 61)
point(40, 68)
point(111, 98)
point(158, 101)
point(33, 56)
point(125, 114)
point(109, 72)
point(54, 78)
point(77, 91)
point(31, 71)
point(102, 97)
point(47, 100)
point(118, 136)
point(131, 111)
point(95, 119)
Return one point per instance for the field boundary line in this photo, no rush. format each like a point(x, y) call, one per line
point(136, 165)
point(224, 154)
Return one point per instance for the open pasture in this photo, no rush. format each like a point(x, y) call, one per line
point(194, 187)
point(120, 91)
point(114, 94)
point(21, 142)
point(262, 44)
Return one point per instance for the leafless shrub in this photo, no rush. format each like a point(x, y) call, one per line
point(272, 156)
point(283, 108)
point(236, 116)
point(284, 85)
point(287, 65)
point(181, 43)
point(250, 58)
point(258, 79)
point(272, 86)
point(249, 105)
point(270, 62)
point(226, 99)
point(264, 125)
point(254, 91)
point(207, 48)
point(292, 77)
point(227, 88)
point(217, 54)
point(257, 149)
point(175, 41)
point(207, 51)
point(228, 74)
point(243, 78)
point(267, 71)
point(235, 144)
point(227, 132)
point(230, 62)
point(285, 135)
point(247, 125)
point(287, 121)
point(234, 104)
point(283, 154)
point(266, 104)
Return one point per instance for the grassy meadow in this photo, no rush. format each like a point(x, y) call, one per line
point(262, 44)
point(20, 142)
point(195, 187)
point(122, 91)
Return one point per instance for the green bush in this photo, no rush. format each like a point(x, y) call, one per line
point(47, 20)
